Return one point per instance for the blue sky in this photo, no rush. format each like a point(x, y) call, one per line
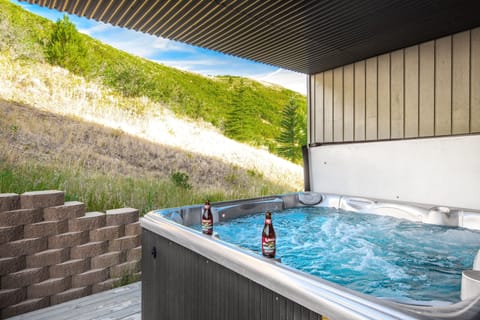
point(177, 54)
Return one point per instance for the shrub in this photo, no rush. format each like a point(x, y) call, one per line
point(180, 179)
point(66, 47)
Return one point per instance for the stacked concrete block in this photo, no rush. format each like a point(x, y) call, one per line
point(52, 251)
point(119, 245)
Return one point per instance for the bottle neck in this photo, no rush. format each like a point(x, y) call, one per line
point(268, 221)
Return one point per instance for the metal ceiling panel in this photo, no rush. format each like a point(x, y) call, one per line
point(307, 36)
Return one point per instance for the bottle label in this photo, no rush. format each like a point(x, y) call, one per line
point(268, 247)
point(207, 226)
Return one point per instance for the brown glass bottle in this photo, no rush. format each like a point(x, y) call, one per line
point(207, 219)
point(268, 237)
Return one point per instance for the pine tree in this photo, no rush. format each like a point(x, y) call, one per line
point(66, 47)
point(241, 120)
point(292, 135)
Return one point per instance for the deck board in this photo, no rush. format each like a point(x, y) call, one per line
point(123, 303)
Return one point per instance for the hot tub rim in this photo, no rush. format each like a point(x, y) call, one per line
point(317, 294)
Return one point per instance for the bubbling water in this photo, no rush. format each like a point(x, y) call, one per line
point(382, 256)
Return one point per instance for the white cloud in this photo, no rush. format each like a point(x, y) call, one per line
point(288, 79)
point(192, 65)
point(134, 46)
point(96, 28)
point(291, 80)
point(136, 43)
point(170, 45)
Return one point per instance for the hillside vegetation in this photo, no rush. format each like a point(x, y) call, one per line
point(242, 109)
point(61, 129)
point(108, 168)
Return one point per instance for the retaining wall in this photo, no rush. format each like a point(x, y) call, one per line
point(52, 251)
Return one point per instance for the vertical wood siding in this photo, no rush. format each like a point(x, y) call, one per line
point(430, 89)
point(460, 83)
point(427, 89)
point(348, 117)
point(318, 108)
point(359, 100)
point(328, 106)
point(338, 104)
point(475, 80)
point(371, 107)
point(411, 92)
point(383, 93)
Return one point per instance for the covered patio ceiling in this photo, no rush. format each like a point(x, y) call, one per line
point(307, 36)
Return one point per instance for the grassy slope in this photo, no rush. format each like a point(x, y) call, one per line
point(107, 168)
point(187, 94)
point(103, 167)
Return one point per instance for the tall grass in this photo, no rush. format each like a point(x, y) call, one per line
point(106, 168)
point(101, 192)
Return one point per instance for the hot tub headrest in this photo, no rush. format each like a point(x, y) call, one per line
point(310, 198)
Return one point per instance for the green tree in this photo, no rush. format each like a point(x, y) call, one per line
point(292, 132)
point(66, 47)
point(241, 120)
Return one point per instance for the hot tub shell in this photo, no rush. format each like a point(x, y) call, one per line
point(188, 275)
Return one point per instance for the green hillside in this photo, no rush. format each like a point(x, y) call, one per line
point(241, 108)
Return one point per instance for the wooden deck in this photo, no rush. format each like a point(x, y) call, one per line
point(116, 304)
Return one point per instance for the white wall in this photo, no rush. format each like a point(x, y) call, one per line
point(440, 171)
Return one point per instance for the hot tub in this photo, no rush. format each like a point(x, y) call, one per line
point(187, 275)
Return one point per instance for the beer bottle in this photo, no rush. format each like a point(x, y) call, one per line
point(268, 237)
point(207, 219)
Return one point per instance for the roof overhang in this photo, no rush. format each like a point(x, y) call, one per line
point(305, 36)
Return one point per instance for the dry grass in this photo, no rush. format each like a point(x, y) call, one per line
point(31, 134)
point(56, 90)
point(108, 168)
point(62, 132)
